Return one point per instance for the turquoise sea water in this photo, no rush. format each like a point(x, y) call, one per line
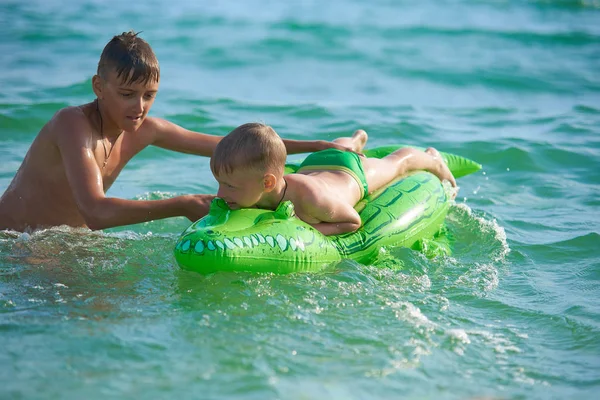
point(512, 314)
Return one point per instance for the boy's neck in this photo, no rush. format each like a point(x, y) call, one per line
point(104, 127)
point(272, 199)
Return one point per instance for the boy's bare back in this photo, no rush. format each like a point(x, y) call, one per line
point(323, 196)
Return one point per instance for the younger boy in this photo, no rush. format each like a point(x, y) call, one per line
point(249, 165)
point(79, 153)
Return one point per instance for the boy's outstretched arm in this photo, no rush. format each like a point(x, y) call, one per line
point(99, 211)
point(308, 146)
point(174, 137)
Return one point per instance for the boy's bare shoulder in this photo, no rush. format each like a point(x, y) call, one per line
point(154, 123)
point(70, 121)
point(70, 114)
point(157, 123)
point(153, 127)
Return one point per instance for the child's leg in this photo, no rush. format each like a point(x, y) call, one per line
point(357, 142)
point(380, 172)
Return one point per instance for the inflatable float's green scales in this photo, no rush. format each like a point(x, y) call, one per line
point(403, 213)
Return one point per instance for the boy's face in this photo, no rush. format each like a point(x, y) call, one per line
point(241, 188)
point(126, 103)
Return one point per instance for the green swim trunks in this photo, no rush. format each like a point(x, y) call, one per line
point(337, 160)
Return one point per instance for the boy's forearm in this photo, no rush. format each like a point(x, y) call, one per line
point(112, 212)
point(303, 146)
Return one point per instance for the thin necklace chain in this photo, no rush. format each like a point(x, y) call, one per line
point(106, 153)
point(284, 190)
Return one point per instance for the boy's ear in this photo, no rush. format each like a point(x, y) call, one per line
point(269, 182)
point(97, 86)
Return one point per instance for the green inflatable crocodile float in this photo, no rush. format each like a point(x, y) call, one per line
point(402, 213)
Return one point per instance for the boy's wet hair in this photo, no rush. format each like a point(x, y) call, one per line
point(131, 57)
point(249, 146)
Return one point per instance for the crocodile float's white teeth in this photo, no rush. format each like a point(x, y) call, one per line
point(271, 241)
point(230, 245)
point(245, 242)
point(186, 245)
point(281, 242)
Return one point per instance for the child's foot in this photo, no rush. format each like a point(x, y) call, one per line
point(442, 171)
point(359, 140)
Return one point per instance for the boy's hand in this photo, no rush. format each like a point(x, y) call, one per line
point(332, 145)
point(196, 206)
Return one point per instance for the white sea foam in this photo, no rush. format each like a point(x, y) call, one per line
point(489, 225)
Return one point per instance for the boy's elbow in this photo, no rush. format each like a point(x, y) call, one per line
point(353, 227)
point(347, 227)
point(95, 217)
point(95, 222)
point(354, 223)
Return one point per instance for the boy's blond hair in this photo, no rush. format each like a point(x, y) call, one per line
point(249, 146)
point(131, 57)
